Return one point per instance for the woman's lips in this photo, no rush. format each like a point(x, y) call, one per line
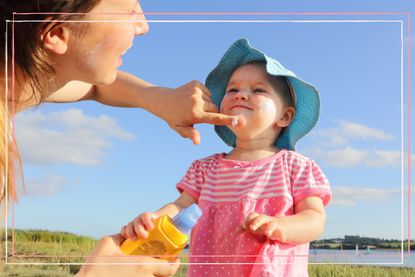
point(119, 60)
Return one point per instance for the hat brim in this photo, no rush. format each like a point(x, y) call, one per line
point(307, 97)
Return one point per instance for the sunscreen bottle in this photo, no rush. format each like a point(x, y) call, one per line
point(168, 237)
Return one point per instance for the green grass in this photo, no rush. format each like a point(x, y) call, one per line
point(35, 246)
point(358, 271)
point(39, 246)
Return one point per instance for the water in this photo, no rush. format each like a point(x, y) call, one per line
point(362, 257)
point(373, 257)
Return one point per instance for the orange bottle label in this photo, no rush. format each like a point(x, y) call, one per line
point(165, 239)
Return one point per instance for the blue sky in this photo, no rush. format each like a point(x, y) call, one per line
point(89, 168)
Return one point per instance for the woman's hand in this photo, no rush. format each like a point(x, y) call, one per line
point(108, 260)
point(187, 105)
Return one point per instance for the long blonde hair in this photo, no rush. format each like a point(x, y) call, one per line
point(9, 156)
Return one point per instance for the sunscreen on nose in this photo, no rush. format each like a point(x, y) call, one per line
point(168, 237)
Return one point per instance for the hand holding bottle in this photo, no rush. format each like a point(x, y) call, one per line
point(162, 237)
point(139, 227)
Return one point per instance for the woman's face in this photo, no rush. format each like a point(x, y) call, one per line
point(98, 52)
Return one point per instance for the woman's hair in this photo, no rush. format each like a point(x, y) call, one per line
point(31, 59)
point(29, 55)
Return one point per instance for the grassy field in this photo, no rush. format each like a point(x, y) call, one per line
point(58, 247)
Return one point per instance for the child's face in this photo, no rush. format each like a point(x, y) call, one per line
point(251, 93)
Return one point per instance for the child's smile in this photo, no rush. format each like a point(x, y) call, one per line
point(240, 106)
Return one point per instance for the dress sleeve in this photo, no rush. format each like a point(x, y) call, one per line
point(307, 180)
point(192, 180)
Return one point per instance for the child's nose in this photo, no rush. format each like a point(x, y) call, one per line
point(241, 95)
point(141, 26)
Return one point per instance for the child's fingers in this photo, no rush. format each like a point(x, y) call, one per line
point(147, 219)
point(257, 223)
point(246, 223)
point(140, 231)
point(139, 227)
point(269, 228)
point(130, 232)
point(122, 232)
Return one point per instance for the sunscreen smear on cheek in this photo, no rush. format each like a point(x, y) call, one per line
point(266, 106)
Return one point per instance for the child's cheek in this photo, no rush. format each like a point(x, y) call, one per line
point(223, 104)
point(266, 106)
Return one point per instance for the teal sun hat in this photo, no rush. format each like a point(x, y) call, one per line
point(307, 100)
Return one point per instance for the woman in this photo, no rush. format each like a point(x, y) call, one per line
point(57, 61)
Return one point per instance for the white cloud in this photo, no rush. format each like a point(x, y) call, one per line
point(382, 158)
point(349, 156)
point(68, 136)
point(342, 157)
point(347, 131)
point(351, 196)
point(48, 185)
point(360, 131)
point(330, 137)
point(335, 146)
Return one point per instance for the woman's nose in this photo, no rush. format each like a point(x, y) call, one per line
point(141, 26)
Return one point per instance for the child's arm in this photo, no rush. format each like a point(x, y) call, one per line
point(307, 224)
point(143, 223)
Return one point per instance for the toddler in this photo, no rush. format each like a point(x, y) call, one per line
point(262, 202)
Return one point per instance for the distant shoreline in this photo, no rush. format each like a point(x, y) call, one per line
point(346, 243)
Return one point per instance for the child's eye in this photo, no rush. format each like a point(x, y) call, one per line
point(259, 90)
point(231, 90)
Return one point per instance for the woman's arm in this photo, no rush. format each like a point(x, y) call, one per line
point(126, 91)
point(180, 108)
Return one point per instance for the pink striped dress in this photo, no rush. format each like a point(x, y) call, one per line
point(227, 191)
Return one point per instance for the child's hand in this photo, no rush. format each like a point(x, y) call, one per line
point(261, 224)
point(139, 227)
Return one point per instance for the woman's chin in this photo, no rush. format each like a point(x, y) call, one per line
point(108, 79)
